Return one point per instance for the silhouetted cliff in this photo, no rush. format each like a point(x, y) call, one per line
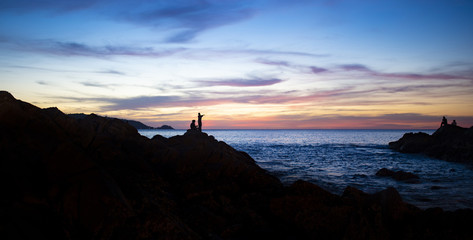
point(451, 143)
point(97, 178)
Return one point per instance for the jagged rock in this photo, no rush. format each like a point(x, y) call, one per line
point(97, 178)
point(397, 175)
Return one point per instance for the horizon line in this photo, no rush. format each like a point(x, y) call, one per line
point(180, 129)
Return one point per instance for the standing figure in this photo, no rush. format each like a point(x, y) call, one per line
point(193, 127)
point(454, 123)
point(199, 121)
point(444, 122)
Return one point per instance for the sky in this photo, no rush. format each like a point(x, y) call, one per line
point(245, 64)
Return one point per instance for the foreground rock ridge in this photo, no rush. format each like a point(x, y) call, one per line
point(451, 143)
point(98, 178)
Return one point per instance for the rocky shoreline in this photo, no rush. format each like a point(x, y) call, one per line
point(98, 178)
point(450, 143)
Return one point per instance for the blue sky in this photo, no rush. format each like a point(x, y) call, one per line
point(245, 64)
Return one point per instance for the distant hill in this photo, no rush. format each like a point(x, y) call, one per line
point(164, 127)
point(135, 124)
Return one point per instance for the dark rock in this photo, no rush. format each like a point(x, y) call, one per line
point(424, 199)
point(165, 127)
point(412, 143)
point(398, 175)
point(451, 143)
point(97, 178)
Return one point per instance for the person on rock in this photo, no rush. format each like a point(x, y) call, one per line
point(193, 127)
point(454, 123)
point(199, 120)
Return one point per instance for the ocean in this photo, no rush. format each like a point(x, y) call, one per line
point(335, 159)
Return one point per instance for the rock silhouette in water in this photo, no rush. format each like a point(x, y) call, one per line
point(98, 178)
point(449, 142)
point(398, 175)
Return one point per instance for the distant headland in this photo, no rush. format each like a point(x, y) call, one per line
point(135, 124)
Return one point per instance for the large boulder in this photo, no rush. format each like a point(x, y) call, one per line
point(412, 142)
point(451, 143)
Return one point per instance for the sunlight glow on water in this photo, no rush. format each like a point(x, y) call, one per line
point(335, 159)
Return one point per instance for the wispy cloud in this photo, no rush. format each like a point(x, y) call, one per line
point(262, 55)
point(95, 84)
point(191, 100)
point(298, 67)
point(317, 70)
point(190, 18)
point(355, 67)
point(52, 5)
point(408, 76)
point(142, 102)
point(275, 63)
point(113, 72)
point(254, 82)
point(80, 49)
point(186, 19)
point(71, 48)
point(42, 83)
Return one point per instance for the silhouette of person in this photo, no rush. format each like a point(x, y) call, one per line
point(454, 123)
point(444, 121)
point(193, 127)
point(199, 121)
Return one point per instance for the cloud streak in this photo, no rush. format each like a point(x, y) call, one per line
point(408, 76)
point(113, 72)
point(79, 49)
point(194, 100)
point(72, 48)
point(286, 64)
point(191, 18)
point(187, 18)
point(255, 82)
point(361, 68)
point(52, 5)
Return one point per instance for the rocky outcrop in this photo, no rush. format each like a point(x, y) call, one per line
point(97, 178)
point(397, 175)
point(451, 143)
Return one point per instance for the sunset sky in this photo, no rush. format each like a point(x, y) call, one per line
point(397, 64)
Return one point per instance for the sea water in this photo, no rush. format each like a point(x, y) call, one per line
point(335, 159)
